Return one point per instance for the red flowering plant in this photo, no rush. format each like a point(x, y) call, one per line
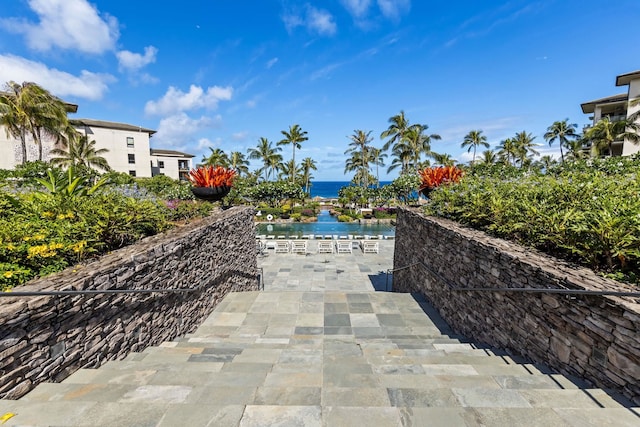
point(431, 178)
point(212, 176)
point(211, 182)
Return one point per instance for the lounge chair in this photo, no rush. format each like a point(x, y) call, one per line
point(369, 247)
point(325, 247)
point(298, 246)
point(282, 247)
point(343, 247)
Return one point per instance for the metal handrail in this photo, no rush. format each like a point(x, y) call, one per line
point(564, 291)
point(107, 291)
point(391, 270)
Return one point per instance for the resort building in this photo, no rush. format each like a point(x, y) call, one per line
point(616, 108)
point(128, 146)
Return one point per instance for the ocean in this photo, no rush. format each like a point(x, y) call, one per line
point(329, 189)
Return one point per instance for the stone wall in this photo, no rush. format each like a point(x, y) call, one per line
point(593, 337)
point(48, 338)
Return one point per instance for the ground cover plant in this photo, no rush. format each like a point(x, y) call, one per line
point(585, 211)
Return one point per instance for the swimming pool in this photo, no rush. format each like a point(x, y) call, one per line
point(325, 225)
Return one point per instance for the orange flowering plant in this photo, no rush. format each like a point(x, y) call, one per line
point(430, 178)
point(212, 176)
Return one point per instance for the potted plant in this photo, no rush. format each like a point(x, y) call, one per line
point(431, 178)
point(211, 182)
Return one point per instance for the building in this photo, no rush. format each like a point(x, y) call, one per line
point(174, 164)
point(128, 146)
point(618, 107)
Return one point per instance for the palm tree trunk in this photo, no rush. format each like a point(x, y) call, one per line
point(23, 147)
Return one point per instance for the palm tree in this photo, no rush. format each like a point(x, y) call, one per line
point(508, 151)
point(81, 153)
point(28, 110)
point(418, 143)
point(443, 159)
point(474, 139)
point(360, 154)
point(217, 158)
point(523, 143)
point(605, 132)
point(489, 157)
point(294, 137)
point(398, 126)
point(267, 153)
point(377, 158)
point(576, 149)
point(238, 162)
point(563, 132)
point(546, 162)
point(308, 164)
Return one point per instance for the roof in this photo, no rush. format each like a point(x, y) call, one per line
point(110, 125)
point(589, 107)
point(625, 79)
point(170, 153)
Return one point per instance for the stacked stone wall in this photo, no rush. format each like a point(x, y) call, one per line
point(46, 338)
point(592, 337)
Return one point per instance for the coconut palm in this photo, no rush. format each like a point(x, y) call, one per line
point(360, 155)
point(605, 132)
point(217, 158)
point(29, 111)
point(524, 146)
point(473, 140)
point(268, 154)
point(307, 165)
point(81, 153)
point(398, 126)
point(443, 159)
point(418, 143)
point(293, 137)
point(377, 158)
point(489, 157)
point(561, 131)
point(508, 151)
point(238, 162)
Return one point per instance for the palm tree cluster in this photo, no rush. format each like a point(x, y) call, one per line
point(30, 113)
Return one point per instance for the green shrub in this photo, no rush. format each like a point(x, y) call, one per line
point(296, 217)
point(344, 218)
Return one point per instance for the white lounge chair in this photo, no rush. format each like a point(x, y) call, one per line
point(325, 247)
point(343, 247)
point(282, 247)
point(298, 246)
point(369, 247)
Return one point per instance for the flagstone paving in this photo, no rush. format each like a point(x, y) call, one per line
point(320, 349)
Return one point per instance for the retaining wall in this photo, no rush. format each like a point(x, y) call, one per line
point(593, 337)
point(48, 338)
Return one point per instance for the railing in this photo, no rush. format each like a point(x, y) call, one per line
point(563, 291)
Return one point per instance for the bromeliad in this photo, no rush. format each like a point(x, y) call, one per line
point(212, 176)
point(431, 178)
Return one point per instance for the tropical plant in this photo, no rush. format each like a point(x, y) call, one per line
point(65, 186)
point(360, 155)
point(563, 132)
point(377, 158)
point(418, 143)
point(489, 157)
point(81, 153)
point(524, 144)
point(508, 151)
point(217, 158)
point(238, 162)
point(294, 137)
point(212, 176)
point(268, 155)
point(29, 111)
point(473, 140)
point(444, 159)
point(307, 165)
point(431, 178)
point(404, 188)
point(605, 132)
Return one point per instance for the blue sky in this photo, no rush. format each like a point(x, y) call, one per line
point(225, 73)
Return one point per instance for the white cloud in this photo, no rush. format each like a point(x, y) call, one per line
point(175, 100)
point(206, 143)
point(180, 130)
point(272, 62)
point(87, 85)
point(314, 20)
point(357, 8)
point(321, 22)
point(240, 136)
point(67, 24)
point(131, 61)
point(393, 9)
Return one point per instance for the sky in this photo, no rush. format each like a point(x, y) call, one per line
point(222, 74)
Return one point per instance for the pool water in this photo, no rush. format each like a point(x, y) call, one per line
point(326, 224)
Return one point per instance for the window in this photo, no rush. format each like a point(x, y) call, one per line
point(129, 142)
point(132, 158)
point(160, 164)
point(132, 173)
point(183, 164)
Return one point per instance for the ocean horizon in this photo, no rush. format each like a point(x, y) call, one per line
point(329, 189)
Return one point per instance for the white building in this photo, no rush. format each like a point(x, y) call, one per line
point(128, 146)
point(617, 107)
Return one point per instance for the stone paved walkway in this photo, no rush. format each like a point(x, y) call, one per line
point(331, 353)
